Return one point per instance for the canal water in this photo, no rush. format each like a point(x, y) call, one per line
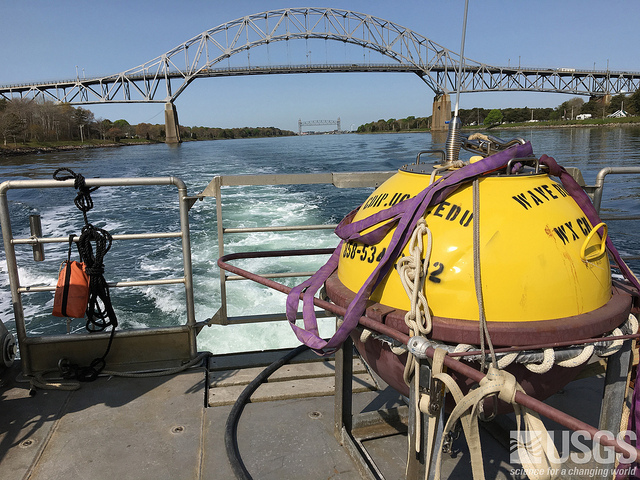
point(122, 211)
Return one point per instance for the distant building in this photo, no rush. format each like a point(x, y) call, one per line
point(583, 116)
point(618, 114)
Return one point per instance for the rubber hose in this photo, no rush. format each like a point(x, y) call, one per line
point(231, 428)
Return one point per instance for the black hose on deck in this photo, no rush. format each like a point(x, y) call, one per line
point(231, 429)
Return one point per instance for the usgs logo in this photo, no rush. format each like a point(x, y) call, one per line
point(538, 450)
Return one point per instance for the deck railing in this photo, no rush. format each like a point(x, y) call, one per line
point(598, 191)
point(41, 352)
point(215, 189)
point(38, 352)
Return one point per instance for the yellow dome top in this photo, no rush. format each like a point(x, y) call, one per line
point(539, 256)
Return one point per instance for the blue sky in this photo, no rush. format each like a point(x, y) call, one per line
point(46, 40)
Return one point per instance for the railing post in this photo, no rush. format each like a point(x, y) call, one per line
point(217, 193)
point(14, 279)
point(40, 353)
point(186, 261)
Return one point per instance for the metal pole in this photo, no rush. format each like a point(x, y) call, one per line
point(459, 79)
point(186, 260)
point(597, 194)
point(14, 281)
point(217, 193)
point(343, 409)
point(35, 226)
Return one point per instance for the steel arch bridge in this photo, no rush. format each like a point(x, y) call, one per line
point(164, 78)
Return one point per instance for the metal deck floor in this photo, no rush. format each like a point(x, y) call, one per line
point(158, 428)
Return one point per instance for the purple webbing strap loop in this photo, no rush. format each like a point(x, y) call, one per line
point(587, 207)
point(404, 216)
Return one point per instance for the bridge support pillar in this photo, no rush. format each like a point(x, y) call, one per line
point(171, 125)
point(441, 113)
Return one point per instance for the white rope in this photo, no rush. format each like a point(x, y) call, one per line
point(413, 272)
point(632, 324)
point(614, 347)
point(583, 357)
point(462, 347)
point(546, 364)
point(585, 353)
point(477, 277)
point(365, 335)
point(507, 360)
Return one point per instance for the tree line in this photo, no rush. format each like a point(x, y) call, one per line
point(567, 110)
point(24, 121)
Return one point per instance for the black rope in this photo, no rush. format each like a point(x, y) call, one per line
point(231, 427)
point(100, 313)
point(83, 199)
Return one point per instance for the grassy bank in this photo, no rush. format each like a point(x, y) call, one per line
point(40, 147)
point(590, 122)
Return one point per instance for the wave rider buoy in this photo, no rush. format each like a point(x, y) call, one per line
point(545, 269)
point(540, 257)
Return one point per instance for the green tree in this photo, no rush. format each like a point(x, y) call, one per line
point(104, 126)
point(124, 126)
point(495, 116)
point(569, 109)
point(516, 115)
point(11, 125)
point(82, 119)
point(593, 106)
point(617, 103)
point(633, 103)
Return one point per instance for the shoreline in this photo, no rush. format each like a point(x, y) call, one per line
point(519, 126)
point(28, 150)
point(568, 125)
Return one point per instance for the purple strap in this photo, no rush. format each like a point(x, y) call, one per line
point(403, 216)
point(624, 470)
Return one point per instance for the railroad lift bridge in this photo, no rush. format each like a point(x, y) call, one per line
point(225, 51)
point(318, 123)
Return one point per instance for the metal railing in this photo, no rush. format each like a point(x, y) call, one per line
point(183, 334)
point(339, 180)
point(214, 189)
point(598, 190)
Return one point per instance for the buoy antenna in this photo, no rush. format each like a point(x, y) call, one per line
point(453, 139)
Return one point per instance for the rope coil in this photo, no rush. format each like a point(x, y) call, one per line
point(99, 312)
point(413, 272)
point(83, 199)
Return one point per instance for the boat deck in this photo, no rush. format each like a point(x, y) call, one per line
point(172, 427)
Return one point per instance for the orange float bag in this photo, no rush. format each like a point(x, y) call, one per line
point(72, 290)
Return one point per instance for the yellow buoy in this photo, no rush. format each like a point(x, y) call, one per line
point(540, 257)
